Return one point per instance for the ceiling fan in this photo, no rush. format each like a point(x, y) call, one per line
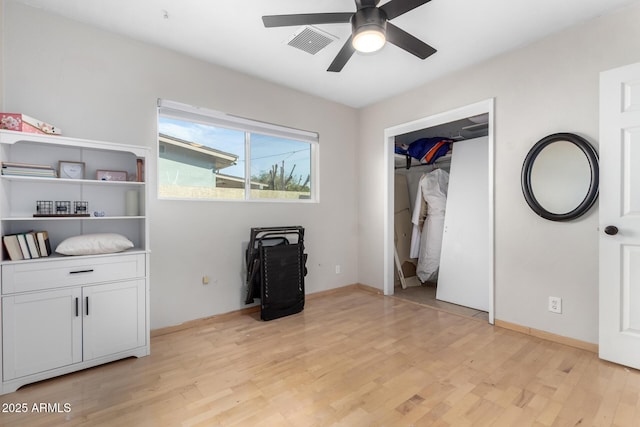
point(370, 26)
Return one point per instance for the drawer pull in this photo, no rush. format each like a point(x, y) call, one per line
point(81, 271)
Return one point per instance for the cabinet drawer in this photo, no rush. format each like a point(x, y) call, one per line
point(34, 275)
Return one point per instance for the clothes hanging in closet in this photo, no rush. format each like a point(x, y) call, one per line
point(432, 192)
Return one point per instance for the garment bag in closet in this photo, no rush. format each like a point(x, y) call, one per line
point(432, 190)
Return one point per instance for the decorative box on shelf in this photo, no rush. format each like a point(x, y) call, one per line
point(24, 123)
point(47, 208)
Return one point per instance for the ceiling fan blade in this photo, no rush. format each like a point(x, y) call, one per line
point(406, 41)
point(343, 56)
point(306, 19)
point(395, 8)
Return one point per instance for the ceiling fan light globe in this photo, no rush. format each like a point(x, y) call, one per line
point(370, 40)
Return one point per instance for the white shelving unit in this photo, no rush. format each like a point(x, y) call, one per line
point(65, 313)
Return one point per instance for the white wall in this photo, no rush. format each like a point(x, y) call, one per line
point(546, 87)
point(94, 84)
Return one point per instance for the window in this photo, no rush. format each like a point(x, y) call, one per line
point(204, 154)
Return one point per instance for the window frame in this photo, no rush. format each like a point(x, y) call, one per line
point(188, 113)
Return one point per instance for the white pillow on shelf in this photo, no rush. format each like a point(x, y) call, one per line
point(94, 244)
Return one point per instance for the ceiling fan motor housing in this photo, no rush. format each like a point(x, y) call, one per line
point(369, 18)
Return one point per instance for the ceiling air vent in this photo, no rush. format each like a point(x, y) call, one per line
point(310, 39)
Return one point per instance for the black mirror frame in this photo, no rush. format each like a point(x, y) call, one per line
point(592, 194)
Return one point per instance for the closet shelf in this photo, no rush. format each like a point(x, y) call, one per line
point(401, 161)
point(476, 127)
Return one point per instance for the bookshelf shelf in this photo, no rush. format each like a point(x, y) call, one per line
point(69, 181)
point(73, 218)
point(57, 257)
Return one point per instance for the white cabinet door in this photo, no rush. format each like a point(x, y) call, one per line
point(114, 318)
point(40, 332)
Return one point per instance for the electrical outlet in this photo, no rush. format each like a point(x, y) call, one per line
point(555, 304)
point(205, 280)
point(338, 269)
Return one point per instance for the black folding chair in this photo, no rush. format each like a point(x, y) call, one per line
point(276, 267)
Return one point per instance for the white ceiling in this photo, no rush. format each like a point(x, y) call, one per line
point(230, 33)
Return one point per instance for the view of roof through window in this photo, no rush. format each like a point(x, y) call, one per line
point(198, 155)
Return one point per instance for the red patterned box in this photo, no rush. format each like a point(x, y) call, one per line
point(23, 123)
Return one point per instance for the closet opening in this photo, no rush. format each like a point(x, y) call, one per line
point(439, 222)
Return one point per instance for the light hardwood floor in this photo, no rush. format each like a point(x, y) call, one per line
point(351, 358)
point(426, 295)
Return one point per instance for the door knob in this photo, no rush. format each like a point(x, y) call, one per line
point(611, 230)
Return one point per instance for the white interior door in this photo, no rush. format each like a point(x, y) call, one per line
point(619, 204)
point(463, 277)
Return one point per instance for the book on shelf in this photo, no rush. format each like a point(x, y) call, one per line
point(29, 172)
point(43, 243)
point(28, 169)
point(23, 246)
point(32, 244)
point(24, 165)
point(12, 246)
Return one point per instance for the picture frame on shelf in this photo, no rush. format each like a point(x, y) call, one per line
point(70, 170)
point(108, 175)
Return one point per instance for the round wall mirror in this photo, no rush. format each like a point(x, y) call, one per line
point(560, 177)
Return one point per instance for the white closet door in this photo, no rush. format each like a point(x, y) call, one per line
point(464, 262)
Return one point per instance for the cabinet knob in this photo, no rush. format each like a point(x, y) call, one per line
point(611, 230)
